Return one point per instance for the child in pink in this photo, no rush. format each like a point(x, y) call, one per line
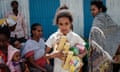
point(14, 60)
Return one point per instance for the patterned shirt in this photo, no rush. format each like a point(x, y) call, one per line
point(21, 29)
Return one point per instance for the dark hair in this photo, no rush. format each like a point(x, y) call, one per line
point(63, 7)
point(60, 13)
point(5, 30)
point(33, 27)
point(99, 5)
point(118, 51)
point(13, 40)
point(12, 3)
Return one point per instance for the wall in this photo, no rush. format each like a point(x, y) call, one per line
point(43, 11)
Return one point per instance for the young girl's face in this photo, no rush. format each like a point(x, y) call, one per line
point(16, 57)
point(95, 10)
point(64, 25)
point(37, 32)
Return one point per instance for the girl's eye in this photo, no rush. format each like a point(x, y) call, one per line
point(38, 30)
point(66, 23)
point(61, 24)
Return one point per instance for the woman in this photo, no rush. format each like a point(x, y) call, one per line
point(104, 22)
point(20, 31)
point(4, 46)
point(34, 51)
point(103, 30)
point(63, 20)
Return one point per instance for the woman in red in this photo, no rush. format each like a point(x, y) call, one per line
point(4, 45)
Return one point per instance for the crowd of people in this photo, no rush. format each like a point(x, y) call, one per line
point(21, 53)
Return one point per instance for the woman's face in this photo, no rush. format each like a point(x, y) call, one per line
point(64, 25)
point(15, 6)
point(38, 32)
point(17, 44)
point(95, 10)
point(3, 41)
point(16, 57)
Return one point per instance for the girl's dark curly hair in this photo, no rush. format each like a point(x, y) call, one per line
point(5, 30)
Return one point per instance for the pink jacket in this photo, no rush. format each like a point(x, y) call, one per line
point(10, 64)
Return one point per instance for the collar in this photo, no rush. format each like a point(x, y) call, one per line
point(15, 63)
point(68, 34)
point(11, 12)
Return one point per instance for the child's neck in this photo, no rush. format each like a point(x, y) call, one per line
point(65, 34)
point(36, 38)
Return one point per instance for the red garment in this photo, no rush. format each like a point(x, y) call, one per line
point(3, 56)
point(41, 62)
point(4, 59)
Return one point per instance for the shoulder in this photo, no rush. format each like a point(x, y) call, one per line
point(53, 35)
point(29, 42)
point(9, 12)
point(10, 46)
point(20, 14)
point(102, 16)
point(75, 35)
point(42, 40)
point(77, 38)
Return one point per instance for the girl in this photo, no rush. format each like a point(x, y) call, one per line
point(34, 51)
point(14, 60)
point(4, 46)
point(64, 21)
point(15, 63)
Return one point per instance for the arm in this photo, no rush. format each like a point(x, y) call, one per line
point(3, 66)
point(53, 55)
point(31, 60)
point(81, 41)
point(50, 44)
point(83, 54)
point(47, 53)
point(25, 28)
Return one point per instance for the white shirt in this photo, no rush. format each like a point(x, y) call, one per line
point(72, 37)
point(21, 29)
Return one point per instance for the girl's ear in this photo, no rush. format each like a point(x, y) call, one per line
point(33, 32)
point(101, 10)
point(72, 27)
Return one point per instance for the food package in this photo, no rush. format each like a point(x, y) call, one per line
point(62, 42)
point(66, 65)
point(2, 21)
point(75, 64)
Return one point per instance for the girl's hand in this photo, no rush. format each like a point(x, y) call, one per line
point(58, 54)
point(61, 55)
point(83, 54)
point(116, 59)
point(27, 70)
point(44, 70)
